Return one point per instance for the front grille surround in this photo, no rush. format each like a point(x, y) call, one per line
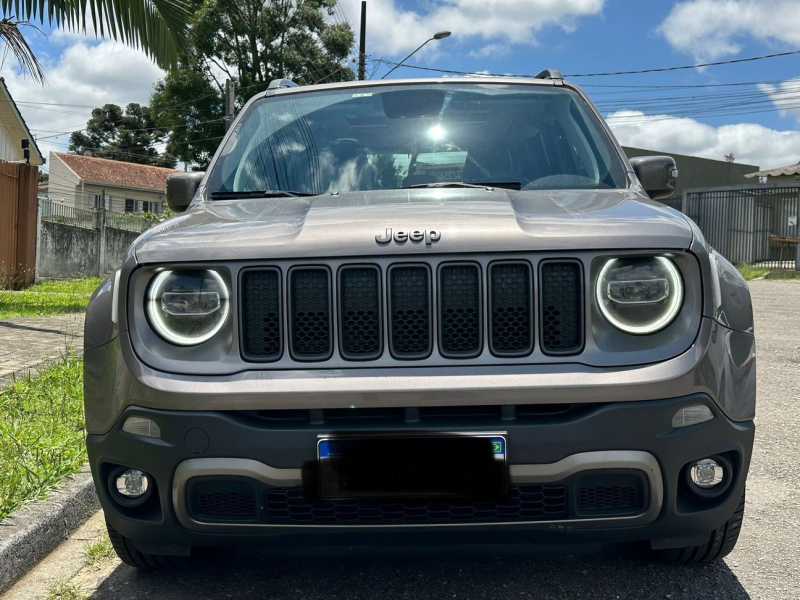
point(603, 346)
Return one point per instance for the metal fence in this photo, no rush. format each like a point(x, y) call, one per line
point(750, 225)
point(57, 212)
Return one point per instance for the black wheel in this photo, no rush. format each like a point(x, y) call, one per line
point(128, 553)
point(720, 543)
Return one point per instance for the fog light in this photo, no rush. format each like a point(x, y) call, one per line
point(132, 483)
point(707, 473)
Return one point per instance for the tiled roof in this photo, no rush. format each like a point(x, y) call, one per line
point(117, 173)
point(788, 170)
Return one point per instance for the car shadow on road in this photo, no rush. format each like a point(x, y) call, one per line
point(441, 571)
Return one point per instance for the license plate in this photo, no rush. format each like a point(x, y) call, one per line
point(404, 466)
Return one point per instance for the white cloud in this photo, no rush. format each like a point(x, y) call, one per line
point(785, 96)
point(712, 29)
point(392, 30)
point(749, 142)
point(86, 74)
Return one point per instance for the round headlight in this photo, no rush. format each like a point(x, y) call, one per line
point(639, 295)
point(187, 307)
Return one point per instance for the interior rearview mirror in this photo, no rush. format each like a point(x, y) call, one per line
point(408, 104)
point(657, 174)
point(181, 188)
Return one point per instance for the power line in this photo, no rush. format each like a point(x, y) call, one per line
point(604, 73)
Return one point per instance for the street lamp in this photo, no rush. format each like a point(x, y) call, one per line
point(440, 35)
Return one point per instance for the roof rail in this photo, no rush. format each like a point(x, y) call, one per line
point(281, 83)
point(550, 74)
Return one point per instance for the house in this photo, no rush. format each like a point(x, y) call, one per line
point(787, 174)
point(89, 183)
point(14, 132)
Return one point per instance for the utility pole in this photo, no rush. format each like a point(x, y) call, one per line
point(230, 101)
point(362, 44)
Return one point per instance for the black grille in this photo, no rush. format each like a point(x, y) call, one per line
point(214, 499)
point(261, 314)
point(561, 301)
point(310, 313)
point(460, 310)
point(511, 323)
point(611, 494)
point(410, 311)
point(305, 312)
point(527, 503)
point(591, 494)
point(360, 312)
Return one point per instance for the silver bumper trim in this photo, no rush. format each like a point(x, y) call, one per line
point(520, 474)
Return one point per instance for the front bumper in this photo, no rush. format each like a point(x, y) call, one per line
point(612, 436)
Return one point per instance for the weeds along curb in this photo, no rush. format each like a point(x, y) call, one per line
point(36, 529)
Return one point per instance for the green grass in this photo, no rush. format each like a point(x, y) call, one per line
point(48, 298)
point(783, 275)
point(750, 272)
point(66, 591)
point(83, 287)
point(99, 552)
point(41, 433)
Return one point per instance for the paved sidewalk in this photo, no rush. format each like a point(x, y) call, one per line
point(26, 344)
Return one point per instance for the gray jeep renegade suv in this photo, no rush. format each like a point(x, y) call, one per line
point(422, 305)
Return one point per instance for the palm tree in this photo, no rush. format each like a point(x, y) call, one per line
point(155, 26)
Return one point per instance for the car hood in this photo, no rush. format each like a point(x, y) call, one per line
point(468, 220)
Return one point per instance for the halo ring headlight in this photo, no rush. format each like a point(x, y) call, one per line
point(639, 295)
point(187, 307)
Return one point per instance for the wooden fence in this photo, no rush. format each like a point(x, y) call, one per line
point(18, 209)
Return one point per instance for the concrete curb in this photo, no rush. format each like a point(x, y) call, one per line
point(35, 530)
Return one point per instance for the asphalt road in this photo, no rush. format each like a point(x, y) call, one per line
point(765, 564)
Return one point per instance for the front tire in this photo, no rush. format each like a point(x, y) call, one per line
point(130, 555)
point(720, 543)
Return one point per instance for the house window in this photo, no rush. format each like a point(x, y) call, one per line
point(98, 201)
point(130, 205)
point(151, 206)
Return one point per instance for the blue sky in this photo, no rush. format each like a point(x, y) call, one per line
point(758, 123)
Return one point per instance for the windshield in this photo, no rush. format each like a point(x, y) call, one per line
point(385, 137)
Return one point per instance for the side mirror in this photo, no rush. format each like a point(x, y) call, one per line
point(181, 188)
point(657, 174)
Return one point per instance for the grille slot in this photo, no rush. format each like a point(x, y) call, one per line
point(527, 503)
point(611, 494)
point(222, 499)
point(410, 331)
point(310, 313)
point(261, 314)
point(511, 306)
point(460, 310)
point(360, 312)
point(560, 311)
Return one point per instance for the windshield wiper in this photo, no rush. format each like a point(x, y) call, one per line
point(488, 185)
point(258, 194)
